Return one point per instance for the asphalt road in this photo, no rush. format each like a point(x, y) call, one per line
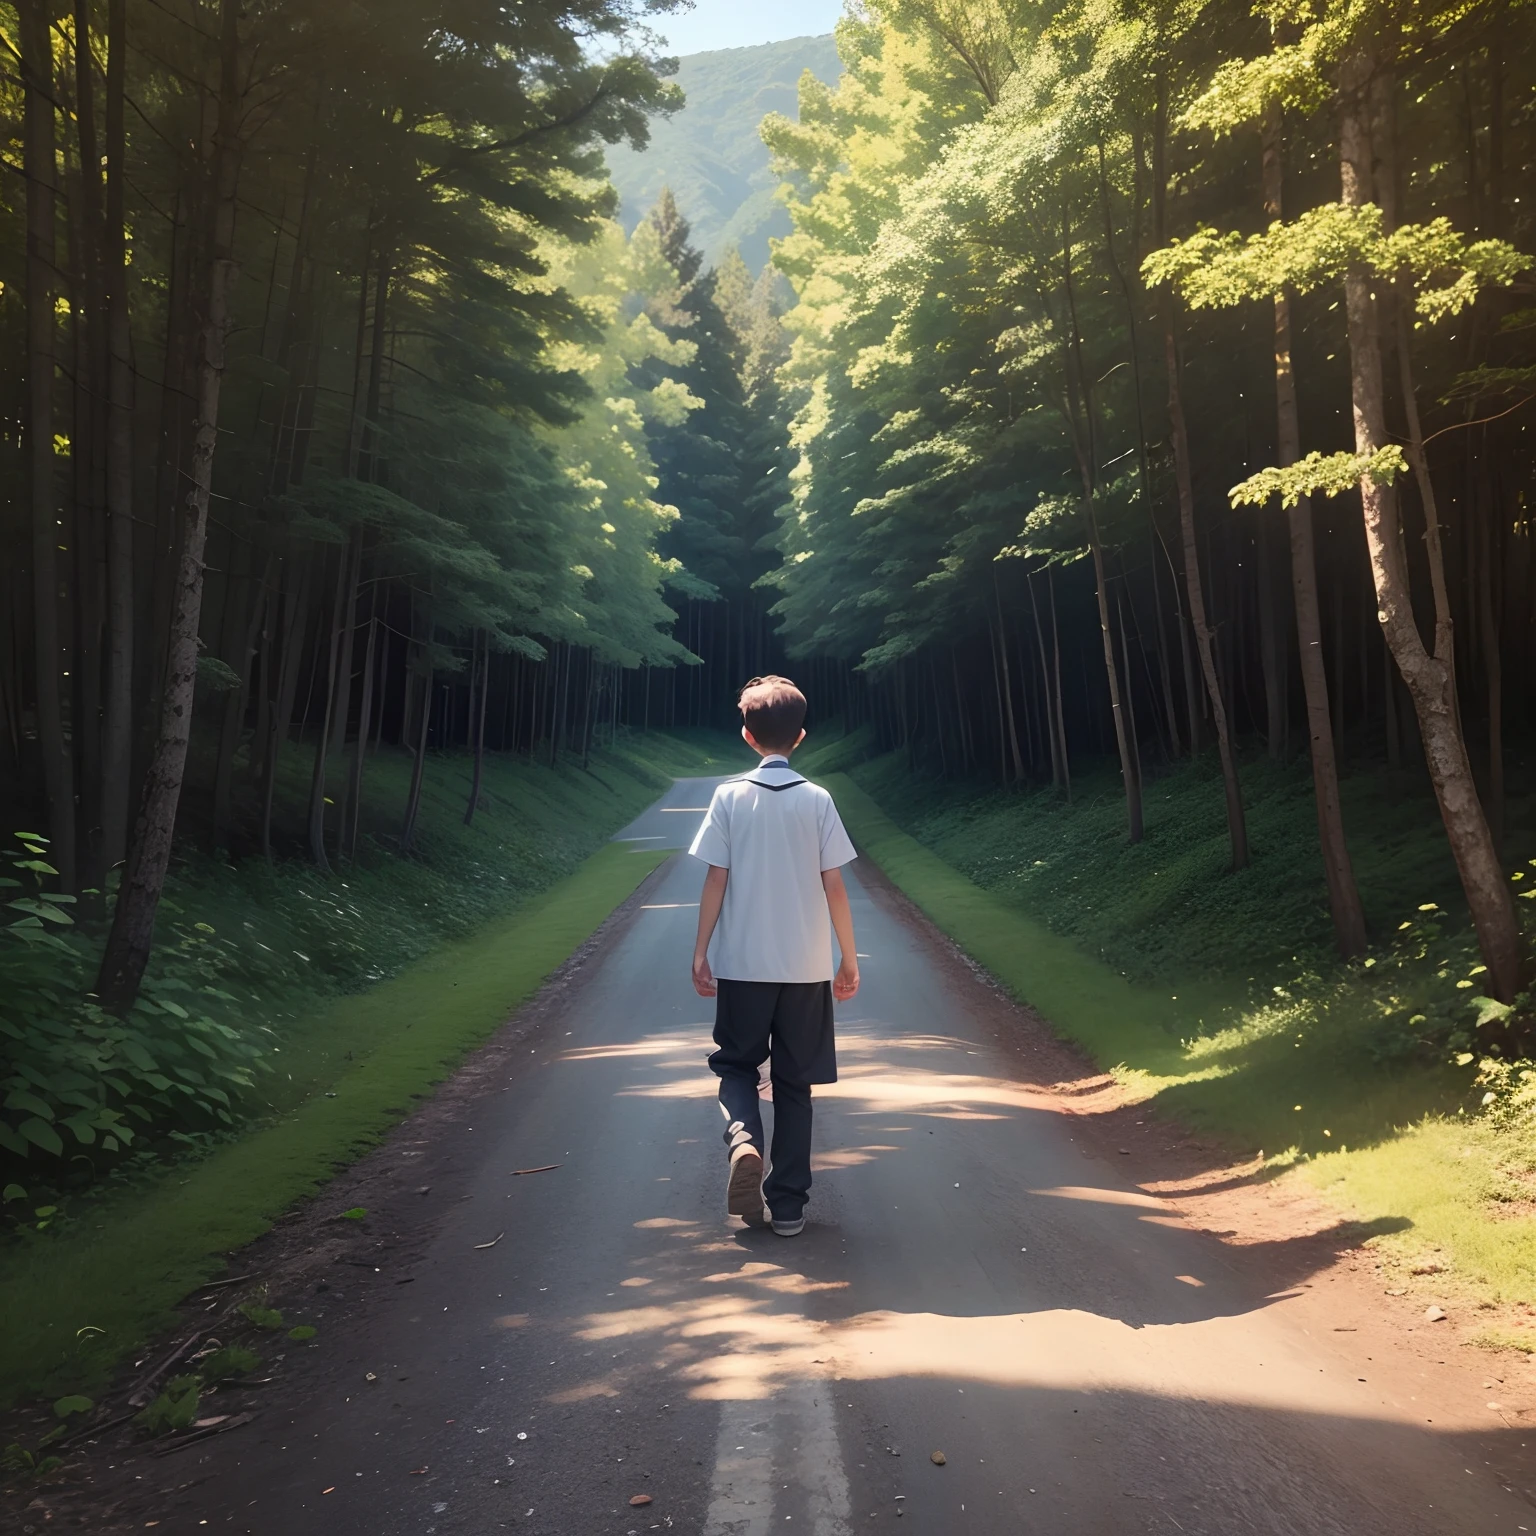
point(969, 1282)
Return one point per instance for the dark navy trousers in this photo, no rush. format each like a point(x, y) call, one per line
point(789, 1025)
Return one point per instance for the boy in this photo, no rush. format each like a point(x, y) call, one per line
point(775, 847)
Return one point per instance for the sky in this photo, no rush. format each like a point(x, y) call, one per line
point(741, 23)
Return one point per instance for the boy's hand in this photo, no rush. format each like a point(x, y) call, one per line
point(846, 982)
point(704, 978)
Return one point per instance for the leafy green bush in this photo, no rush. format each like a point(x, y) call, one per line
point(73, 1075)
point(175, 1407)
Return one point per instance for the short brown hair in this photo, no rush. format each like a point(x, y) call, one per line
point(773, 710)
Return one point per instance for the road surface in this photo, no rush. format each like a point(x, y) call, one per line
point(969, 1283)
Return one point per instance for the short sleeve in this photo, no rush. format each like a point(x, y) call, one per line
point(712, 842)
point(836, 849)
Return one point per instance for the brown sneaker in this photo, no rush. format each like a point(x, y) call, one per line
point(744, 1192)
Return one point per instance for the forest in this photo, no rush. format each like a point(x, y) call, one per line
point(1139, 385)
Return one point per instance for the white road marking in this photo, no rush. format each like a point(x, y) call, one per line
point(790, 1438)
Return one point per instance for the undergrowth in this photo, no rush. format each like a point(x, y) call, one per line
point(1391, 1081)
point(245, 948)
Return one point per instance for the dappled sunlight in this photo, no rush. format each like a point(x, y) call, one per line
point(873, 1078)
point(686, 1046)
point(773, 1277)
point(1107, 1197)
point(735, 1342)
point(846, 1157)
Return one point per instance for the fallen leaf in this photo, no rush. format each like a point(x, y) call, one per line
point(417, 1471)
point(355, 1214)
point(370, 1377)
point(547, 1168)
point(492, 1242)
point(328, 1490)
point(218, 1418)
point(938, 1458)
point(639, 1499)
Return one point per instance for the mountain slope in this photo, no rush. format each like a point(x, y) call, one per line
point(710, 154)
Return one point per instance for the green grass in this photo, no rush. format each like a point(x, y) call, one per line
point(124, 1272)
point(1382, 1128)
point(373, 981)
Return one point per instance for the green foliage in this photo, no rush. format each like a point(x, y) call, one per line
point(230, 1360)
point(92, 1293)
point(302, 1334)
point(175, 1407)
point(258, 1316)
point(1319, 474)
point(76, 1077)
point(66, 1407)
point(17, 1459)
point(1446, 271)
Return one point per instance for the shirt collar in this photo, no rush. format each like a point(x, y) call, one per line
point(774, 760)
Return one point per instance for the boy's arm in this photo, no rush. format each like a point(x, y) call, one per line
point(711, 899)
point(846, 982)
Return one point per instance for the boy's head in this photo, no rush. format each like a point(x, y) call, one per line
point(772, 714)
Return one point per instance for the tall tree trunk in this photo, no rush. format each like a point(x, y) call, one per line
point(483, 658)
point(418, 765)
point(360, 746)
point(1050, 698)
point(338, 691)
point(1338, 869)
point(117, 719)
point(88, 455)
point(1002, 646)
point(133, 920)
point(286, 691)
point(1061, 718)
point(1164, 672)
point(1084, 446)
point(236, 703)
point(52, 667)
point(1429, 677)
point(1237, 828)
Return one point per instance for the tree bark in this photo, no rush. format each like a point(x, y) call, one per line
point(1237, 828)
point(117, 718)
point(418, 766)
point(1429, 676)
point(290, 660)
point(1338, 870)
point(51, 659)
point(133, 920)
point(1085, 450)
point(1050, 699)
point(483, 659)
point(338, 692)
point(360, 746)
point(1002, 646)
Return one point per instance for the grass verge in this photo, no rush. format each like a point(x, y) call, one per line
point(78, 1303)
point(1302, 1071)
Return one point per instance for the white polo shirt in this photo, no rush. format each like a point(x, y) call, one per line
point(776, 842)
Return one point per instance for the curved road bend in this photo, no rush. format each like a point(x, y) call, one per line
point(968, 1283)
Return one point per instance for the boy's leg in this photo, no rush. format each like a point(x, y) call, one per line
point(803, 1054)
point(788, 1185)
point(743, 1016)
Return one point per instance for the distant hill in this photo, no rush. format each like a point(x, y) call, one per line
point(710, 154)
